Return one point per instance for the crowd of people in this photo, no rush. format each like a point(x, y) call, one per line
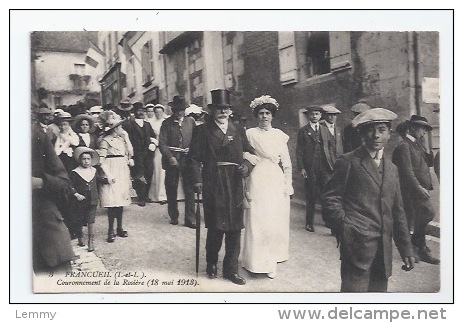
point(95, 158)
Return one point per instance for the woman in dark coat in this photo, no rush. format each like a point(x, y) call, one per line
point(84, 126)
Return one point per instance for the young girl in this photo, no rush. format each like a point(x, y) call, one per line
point(83, 179)
point(115, 160)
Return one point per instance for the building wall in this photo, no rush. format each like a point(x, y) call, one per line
point(53, 72)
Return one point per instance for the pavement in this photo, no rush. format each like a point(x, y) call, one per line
point(163, 252)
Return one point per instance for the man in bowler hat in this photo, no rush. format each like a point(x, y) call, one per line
point(218, 145)
point(315, 159)
point(142, 137)
point(174, 142)
point(413, 161)
point(362, 200)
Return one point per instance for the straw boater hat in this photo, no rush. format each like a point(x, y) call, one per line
point(376, 115)
point(96, 109)
point(421, 121)
point(82, 149)
point(63, 116)
point(79, 118)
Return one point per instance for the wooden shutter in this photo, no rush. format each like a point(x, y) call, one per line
point(288, 61)
point(340, 52)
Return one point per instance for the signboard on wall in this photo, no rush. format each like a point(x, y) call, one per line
point(430, 90)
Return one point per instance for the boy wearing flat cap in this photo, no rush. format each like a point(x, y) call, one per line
point(330, 114)
point(314, 151)
point(363, 202)
point(413, 162)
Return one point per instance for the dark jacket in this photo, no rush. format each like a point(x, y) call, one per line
point(351, 139)
point(222, 185)
point(366, 208)
point(87, 189)
point(93, 141)
point(51, 238)
point(174, 135)
point(306, 145)
point(140, 138)
point(335, 140)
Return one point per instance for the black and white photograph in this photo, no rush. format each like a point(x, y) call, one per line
point(258, 161)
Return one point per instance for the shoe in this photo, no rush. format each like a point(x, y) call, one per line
point(91, 247)
point(426, 256)
point(111, 236)
point(309, 228)
point(142, 203)
point(174, 222)
point(416, 254)
point(191, 225)
point(163, 202)
point(122, 233)
point(80, 242)
point(211, 271)
point(235, 279)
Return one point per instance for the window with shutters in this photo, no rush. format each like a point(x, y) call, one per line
point(147, 63)
point(328, 52)
point(287, 55)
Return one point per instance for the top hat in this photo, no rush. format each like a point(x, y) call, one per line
point(313, 108)
point(82, 149)
point(421, 121)
point(178, 103)
point(376, 115)
point(220, 99)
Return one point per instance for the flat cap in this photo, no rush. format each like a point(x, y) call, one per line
point(313, 108)
point(360, 107)
point(330, 109)
point(375, 115)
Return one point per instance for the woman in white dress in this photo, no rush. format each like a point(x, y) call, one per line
point(115, 188)
point(266, 238)
point(155, 116)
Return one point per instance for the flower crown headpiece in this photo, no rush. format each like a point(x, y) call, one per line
point(263, 100)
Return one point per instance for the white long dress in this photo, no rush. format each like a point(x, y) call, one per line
point(157, 190)
point(266, 238)
point(113, 153)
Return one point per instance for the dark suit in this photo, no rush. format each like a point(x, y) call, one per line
point(173, 135)
point(351, 139)
point(315, 154)
point(222, 188)
point(142, 171)
point(413, 164)
point(364, 204)
point(51, 239)
point(336, 140)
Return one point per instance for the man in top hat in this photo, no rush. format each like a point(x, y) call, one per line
point(413, 161)
point(142, 137)
point(315, 157)
point(330, 114)
point(219, 146)
point(351, 139)
point(174, 142)
point(362, 200)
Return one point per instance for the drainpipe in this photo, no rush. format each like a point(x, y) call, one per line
point(418, 72)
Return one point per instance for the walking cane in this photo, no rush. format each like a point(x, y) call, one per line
point(198, 231)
